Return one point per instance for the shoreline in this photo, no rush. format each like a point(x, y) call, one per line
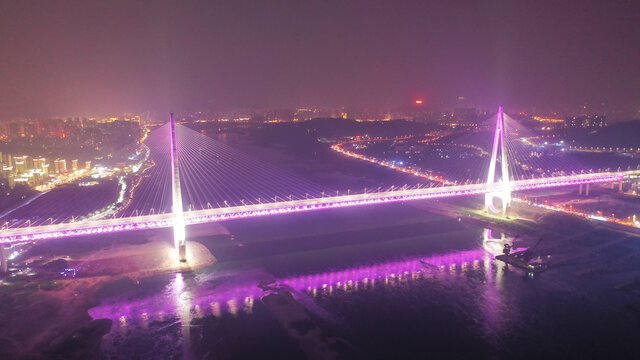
point(61, 306)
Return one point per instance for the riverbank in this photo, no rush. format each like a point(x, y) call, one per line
point(59, 305)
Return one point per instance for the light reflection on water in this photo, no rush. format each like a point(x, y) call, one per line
point(183, 310)
point(184, 299)
point(177, 299)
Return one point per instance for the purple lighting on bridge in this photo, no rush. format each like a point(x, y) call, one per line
point(286, 207)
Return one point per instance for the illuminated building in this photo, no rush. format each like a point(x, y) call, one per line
point(41, 164)
point(60, 166)
point(7, 172)
point(20, 164)
point(595, 121)
point(303, 114)
point(74, 165)
point(548, 120)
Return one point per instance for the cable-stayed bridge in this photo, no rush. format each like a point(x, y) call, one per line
point(198, 180)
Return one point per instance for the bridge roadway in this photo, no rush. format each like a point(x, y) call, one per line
point(103, 226)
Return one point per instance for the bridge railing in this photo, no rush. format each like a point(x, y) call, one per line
point(93, 227)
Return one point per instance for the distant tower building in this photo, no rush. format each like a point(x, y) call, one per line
point(74, 165)
point(63, 165)
point(39, 163)
point(21, 164)
point(87, 164)
point(60, 166)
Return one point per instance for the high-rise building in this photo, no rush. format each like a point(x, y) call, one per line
point(74, 165)
point(7, 172)
point(87, 164)
point(21, 164)
point(60, 166)
point(38, 163)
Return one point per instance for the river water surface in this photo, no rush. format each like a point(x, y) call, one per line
point(383, 282)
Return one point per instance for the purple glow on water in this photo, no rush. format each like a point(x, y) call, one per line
point(179, 302)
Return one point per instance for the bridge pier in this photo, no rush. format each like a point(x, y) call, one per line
point(580, 190)
point(3, 260)
point(620, 186)
point(179, 238)
point(182, 252)
point(587, 190)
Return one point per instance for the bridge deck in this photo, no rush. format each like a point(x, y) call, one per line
point(237, 212)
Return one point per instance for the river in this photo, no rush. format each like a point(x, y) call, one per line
point(383, 282)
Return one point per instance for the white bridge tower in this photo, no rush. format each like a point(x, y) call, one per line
point(179, 233)
point(504, 192)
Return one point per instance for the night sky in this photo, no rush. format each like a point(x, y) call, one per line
point(106, 57)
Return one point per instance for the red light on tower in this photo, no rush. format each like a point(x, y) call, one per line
point(419, 102)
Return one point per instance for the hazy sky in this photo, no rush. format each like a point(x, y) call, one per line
point(92, 57)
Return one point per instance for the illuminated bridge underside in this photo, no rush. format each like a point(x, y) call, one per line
point(239, 212)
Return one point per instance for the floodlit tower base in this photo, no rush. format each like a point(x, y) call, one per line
point(182, 252)
point(179, 239)
point(504, 209)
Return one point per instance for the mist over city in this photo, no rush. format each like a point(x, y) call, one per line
point(319, 179)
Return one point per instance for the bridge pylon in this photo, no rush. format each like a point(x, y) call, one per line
point(504, 193)
point(179, 231)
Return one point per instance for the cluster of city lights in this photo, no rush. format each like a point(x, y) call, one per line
point(64, 178)
point(603, 149)
point(339, 147)
point(548, 120)
point(631, 221)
